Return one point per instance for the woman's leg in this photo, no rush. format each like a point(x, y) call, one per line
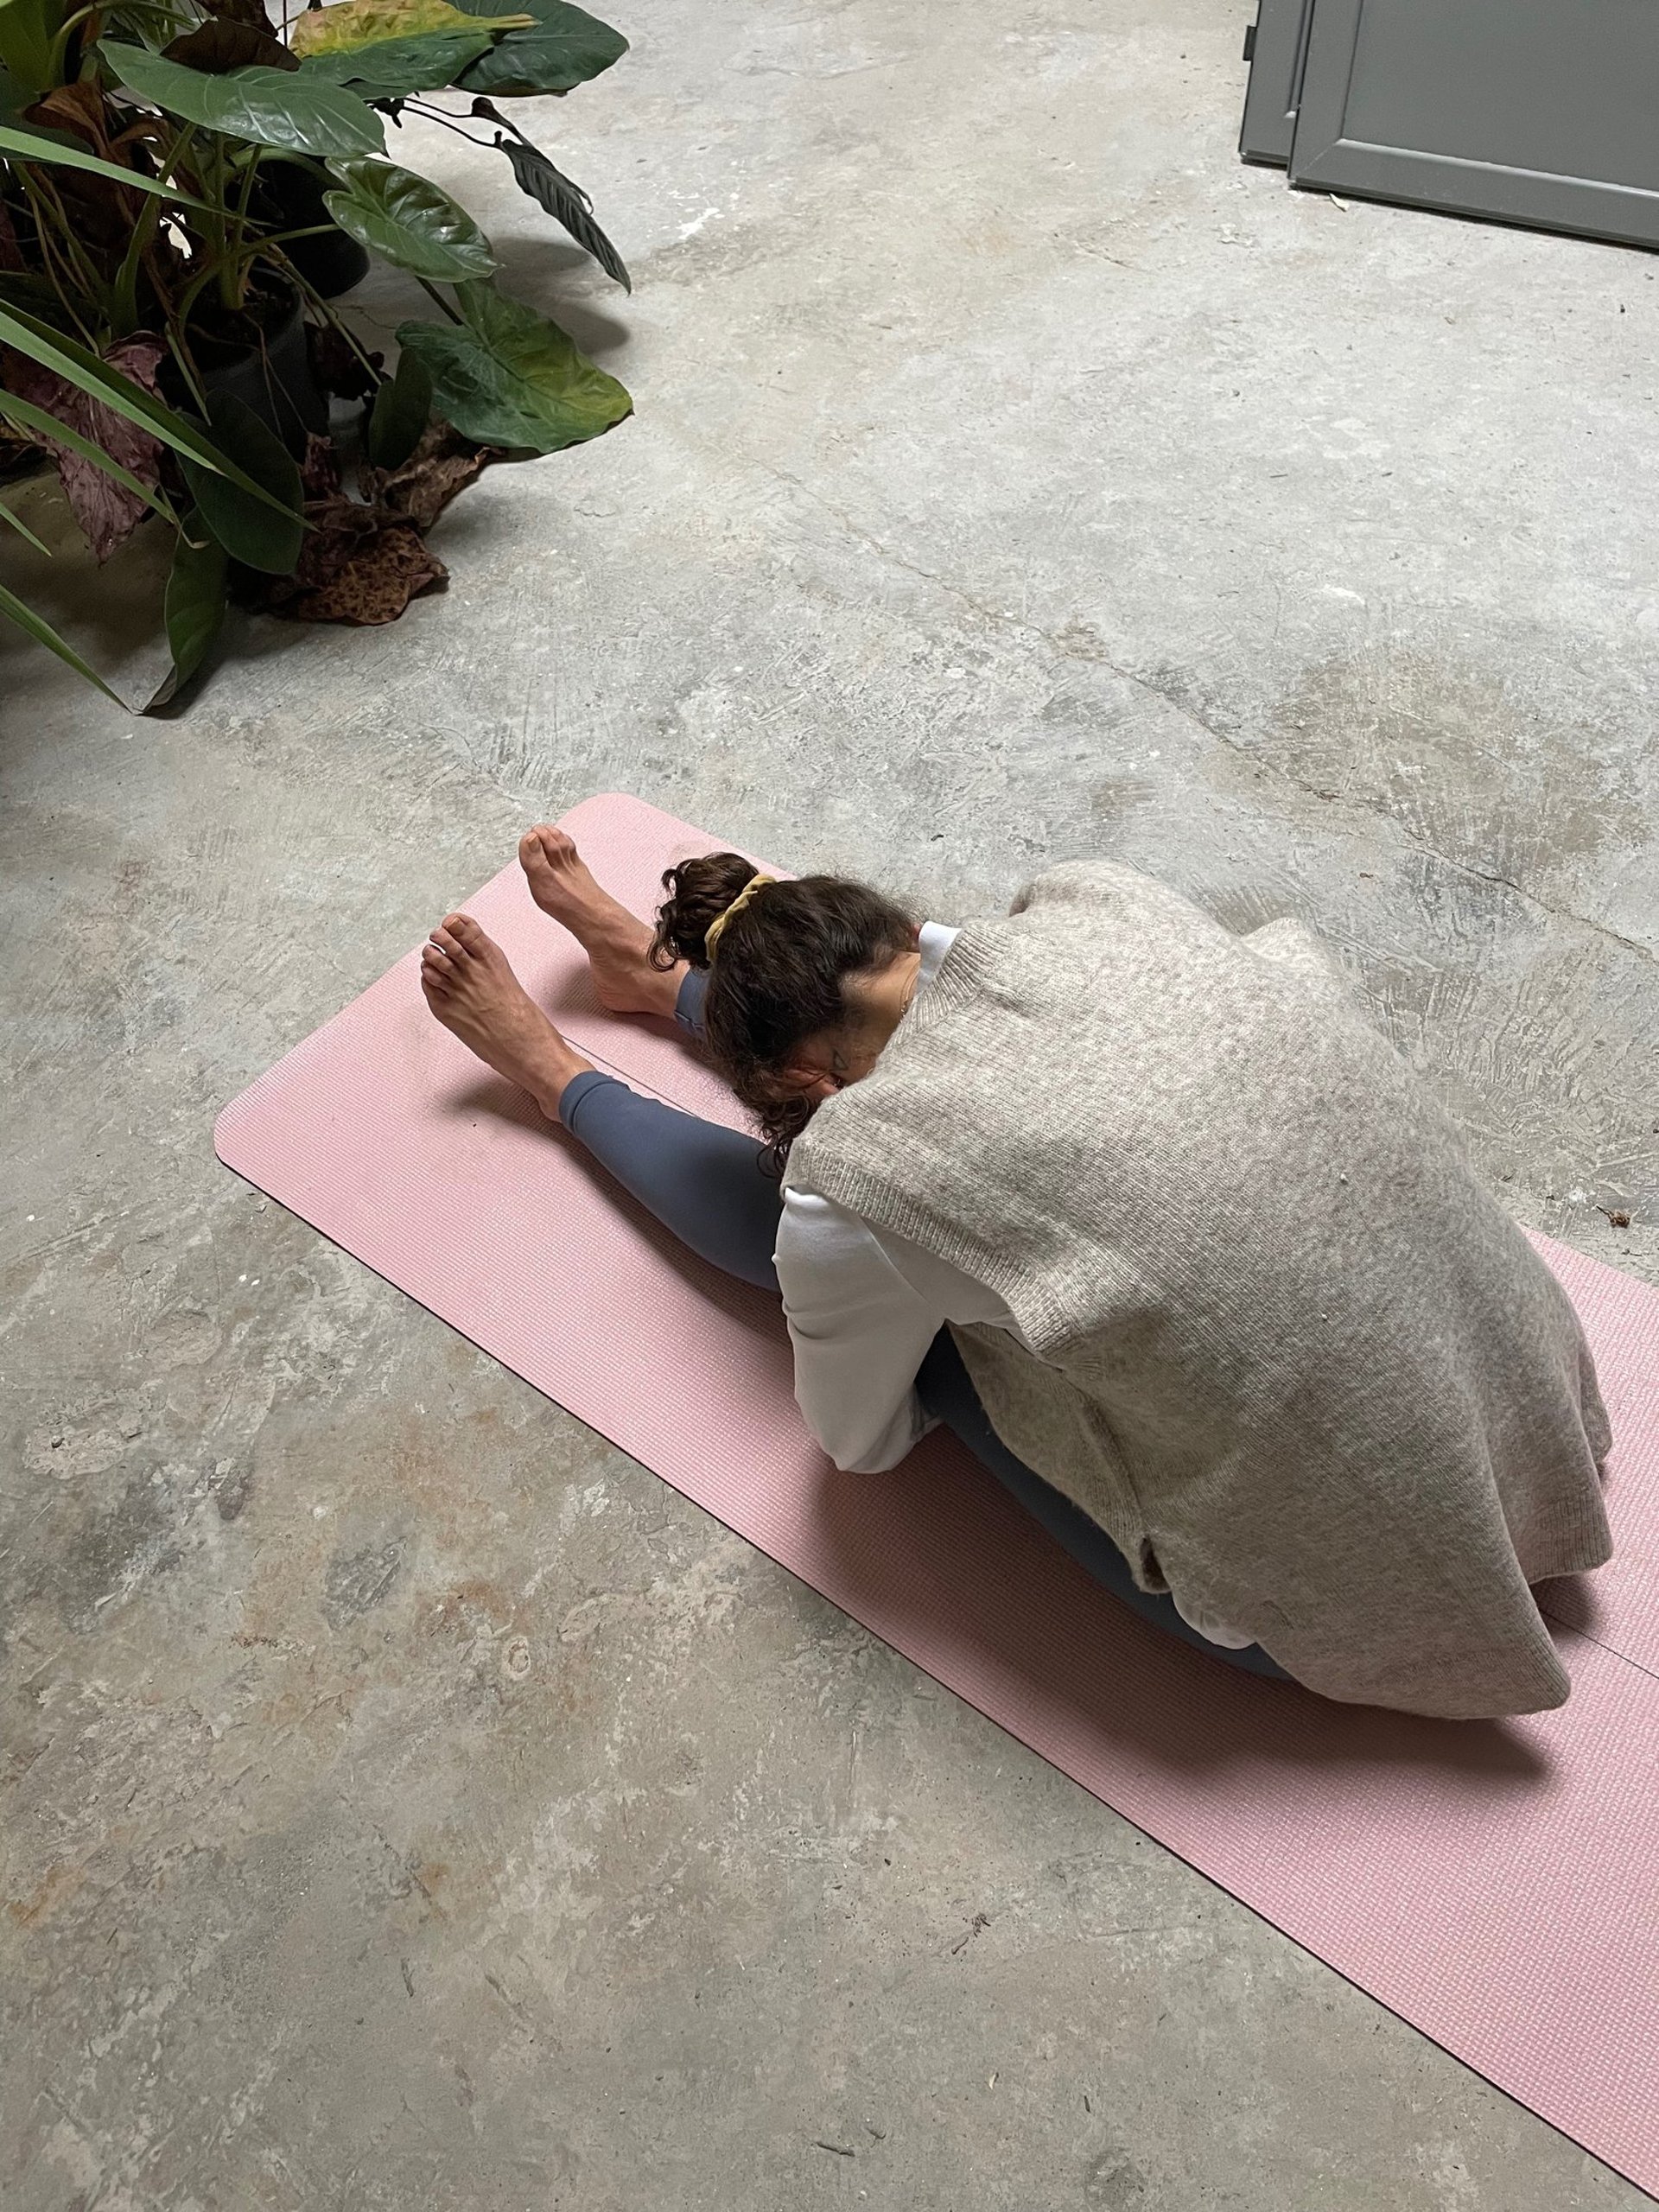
point(949, 1394)
point(712, 1187)
point(705, 1183)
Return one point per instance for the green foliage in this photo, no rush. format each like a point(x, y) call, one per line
point(27, 34)
point(565, 48)
point(196, 600)
point(410, 222)
point(18, 611)
point(161, 250)
point(401, 410)
point(396, 67)
point(23, 415)
point(16, 522)
point(285, 108)
point(566, 202)
point(508, 377)
point(63, 153)
point(66, 358)
point(265, 531)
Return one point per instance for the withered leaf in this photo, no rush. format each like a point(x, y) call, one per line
point(106, 510)
point(225, 42)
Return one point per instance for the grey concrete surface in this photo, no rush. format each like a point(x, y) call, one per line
point(410, 1801)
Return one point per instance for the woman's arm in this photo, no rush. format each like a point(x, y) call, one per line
point(860, 1333)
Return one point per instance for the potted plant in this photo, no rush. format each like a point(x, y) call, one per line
point(183, 191)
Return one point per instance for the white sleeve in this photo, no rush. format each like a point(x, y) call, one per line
point(860, 1333)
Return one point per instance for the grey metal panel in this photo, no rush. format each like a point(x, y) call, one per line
point(1275, 79)
point(1537, 112)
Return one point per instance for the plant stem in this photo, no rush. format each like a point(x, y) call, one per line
point(244, 199)
point(60, 273)
point(144, 232)
point(183, 360)
point(438, 300)
point(449, 122)
point(324, 310)
point(43, 195)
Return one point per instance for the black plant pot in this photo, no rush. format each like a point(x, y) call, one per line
point(290, 198)
point(273, 376)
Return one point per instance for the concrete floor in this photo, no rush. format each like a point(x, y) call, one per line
point(414, 1803)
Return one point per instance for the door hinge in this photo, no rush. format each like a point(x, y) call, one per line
point(1249, 43)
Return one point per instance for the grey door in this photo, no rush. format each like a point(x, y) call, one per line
point(1277, 44)
point(1539, 111)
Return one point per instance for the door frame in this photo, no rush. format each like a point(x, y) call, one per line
point(1279, 45)
point(1323, 159)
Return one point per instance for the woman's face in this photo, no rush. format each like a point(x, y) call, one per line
point(875, 1004)
point(824, 1064)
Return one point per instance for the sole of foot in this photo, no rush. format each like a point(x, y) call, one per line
point(617, 944)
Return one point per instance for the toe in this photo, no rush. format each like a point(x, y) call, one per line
point(473, 941)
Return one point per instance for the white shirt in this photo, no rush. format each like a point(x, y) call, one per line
point(863, 1305)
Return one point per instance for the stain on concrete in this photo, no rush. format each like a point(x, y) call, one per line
point(1114, 2183)
point(358, 1581)
point(1473, 760)
point(108, 1550)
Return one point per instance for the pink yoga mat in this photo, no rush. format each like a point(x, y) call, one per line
point(1496, 1884)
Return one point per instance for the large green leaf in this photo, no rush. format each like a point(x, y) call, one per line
point(26, 618)
point(27, 416)
point(265, 533)
point(287, 109)
point(195, 601)
point(29, 146)
point(507, 376)
point(564, 201)
point(565, 47)
point(415, 225)
point(401, 410)
point(394, 67)
point(71, 361)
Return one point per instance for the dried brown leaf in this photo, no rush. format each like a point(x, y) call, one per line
point(442, 464)
point(78, 108)
point(373, 575)
point(250, 12)
point(106, 510)
point(226, 42)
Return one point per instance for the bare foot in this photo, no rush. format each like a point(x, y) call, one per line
point(615, 941)
point(471, 987)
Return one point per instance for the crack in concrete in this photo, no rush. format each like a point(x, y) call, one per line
point(1068, 651)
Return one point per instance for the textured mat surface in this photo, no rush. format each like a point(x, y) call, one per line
point(1498, 1885)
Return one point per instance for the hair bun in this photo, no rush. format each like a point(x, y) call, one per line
point(699, 893)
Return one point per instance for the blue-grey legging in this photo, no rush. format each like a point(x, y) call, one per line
point(711, 1186)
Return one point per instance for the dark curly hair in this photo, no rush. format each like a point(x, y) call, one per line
point(778, 970)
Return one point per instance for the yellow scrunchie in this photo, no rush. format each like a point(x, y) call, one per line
point(711, 936)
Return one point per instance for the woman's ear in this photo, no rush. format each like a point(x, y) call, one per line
point(817, 1088)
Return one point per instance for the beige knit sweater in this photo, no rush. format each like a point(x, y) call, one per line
point(1284, 1345)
